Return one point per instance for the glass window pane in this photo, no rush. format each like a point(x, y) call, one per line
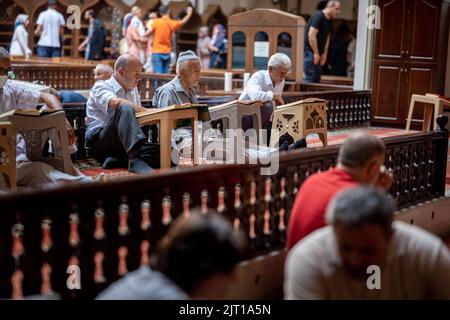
point(284, 44)
point(261, 51)
point(238, 51)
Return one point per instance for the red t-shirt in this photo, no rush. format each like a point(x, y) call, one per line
point(308, 213)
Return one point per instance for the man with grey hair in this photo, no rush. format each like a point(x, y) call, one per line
point(363, 254)
point(267, 86)
point(113, 134)
point(317, 40)
point(180, 90)
point(360, 161)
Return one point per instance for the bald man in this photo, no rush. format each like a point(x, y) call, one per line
point(113, 134)
point(102, 72)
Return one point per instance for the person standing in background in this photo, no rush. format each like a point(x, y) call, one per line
point(94, 43)
point(218, 47)
point(50, 26)
point(19, 42)
point(317, 41)
point(163, 29)
point(148, 67)
point(203, 43)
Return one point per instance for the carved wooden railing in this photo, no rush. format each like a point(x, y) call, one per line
point(345, 109)
point(67, 77)
point(111, 228)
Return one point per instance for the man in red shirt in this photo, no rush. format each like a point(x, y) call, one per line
point(360, 161)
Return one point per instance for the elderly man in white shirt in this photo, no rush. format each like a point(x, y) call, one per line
point(267, 86)
point(113, 134)
point(12, 97)
point(363, 254)
point(50, 26)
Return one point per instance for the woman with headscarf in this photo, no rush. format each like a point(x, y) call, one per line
point(218, 47)
point(203, 43)
point(19, 42)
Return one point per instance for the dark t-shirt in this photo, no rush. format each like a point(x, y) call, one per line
point(321, 23)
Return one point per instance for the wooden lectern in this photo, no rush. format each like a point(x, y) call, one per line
point(234, 111)
point(300, 118)
point(167, 118)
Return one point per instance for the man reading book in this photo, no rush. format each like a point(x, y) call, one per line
point(13, 97)
point(113, 133)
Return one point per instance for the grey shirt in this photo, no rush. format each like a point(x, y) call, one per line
point(173, 93)
point(417, 266)
point(143, 284)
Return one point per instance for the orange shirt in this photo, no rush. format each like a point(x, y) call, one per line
point(163, 28)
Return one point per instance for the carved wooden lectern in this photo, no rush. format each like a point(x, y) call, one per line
point(298, 119)
point(167, 118)
point(234, 111)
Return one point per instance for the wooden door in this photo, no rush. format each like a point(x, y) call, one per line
point(391, 38)
point(387, 89)
point(419, 79)
point(423, 25)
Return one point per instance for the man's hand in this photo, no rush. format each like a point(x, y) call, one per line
point(385, 179)
point(278, 100)
point(189, 10)
point(138, 108)
point(70, 133)
point(323, 59)
point(80, 47)
point(316, 58)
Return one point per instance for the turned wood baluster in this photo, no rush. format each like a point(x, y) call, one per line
point(46, 285)
point(267, 200)
point(283, 196)
point(47, 241)
point(99, 232)
point(16, 282)
point(74, 237)
point(145, 257)
point(123, 219)
point(145, 212)
point(166, 206)
point(252, 218)
point(17, 243)
point(237, 207)
point(204, 202)
point(186, 202)
point(122, 253)
point(99, 276)
point(221, 200)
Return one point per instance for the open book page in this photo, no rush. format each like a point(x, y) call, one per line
point(34, 112)
point(201, 107)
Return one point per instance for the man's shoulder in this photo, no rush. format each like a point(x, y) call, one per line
point(315, 246)
point(410, 238)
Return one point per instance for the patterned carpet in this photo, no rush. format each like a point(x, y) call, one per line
point(92, 168)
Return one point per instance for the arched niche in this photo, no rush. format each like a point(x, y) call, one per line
point(238, 44)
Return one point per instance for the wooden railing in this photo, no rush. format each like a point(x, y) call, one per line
point(345, 109)
point(67, 77)
point(111, 228)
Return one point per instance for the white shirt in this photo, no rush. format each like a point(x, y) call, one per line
point(260, 87)
point(97, 110)
point(51, 22)
point(19, 42)
point(18, 97)
point(138, 25)
point(417, 267)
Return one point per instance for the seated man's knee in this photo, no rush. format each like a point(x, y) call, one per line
point(126, 108)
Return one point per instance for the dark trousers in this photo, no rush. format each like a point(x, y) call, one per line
point(266, 116)
point(312, 71)
point(121, 136)
point(48, 52)
point(266, 119)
